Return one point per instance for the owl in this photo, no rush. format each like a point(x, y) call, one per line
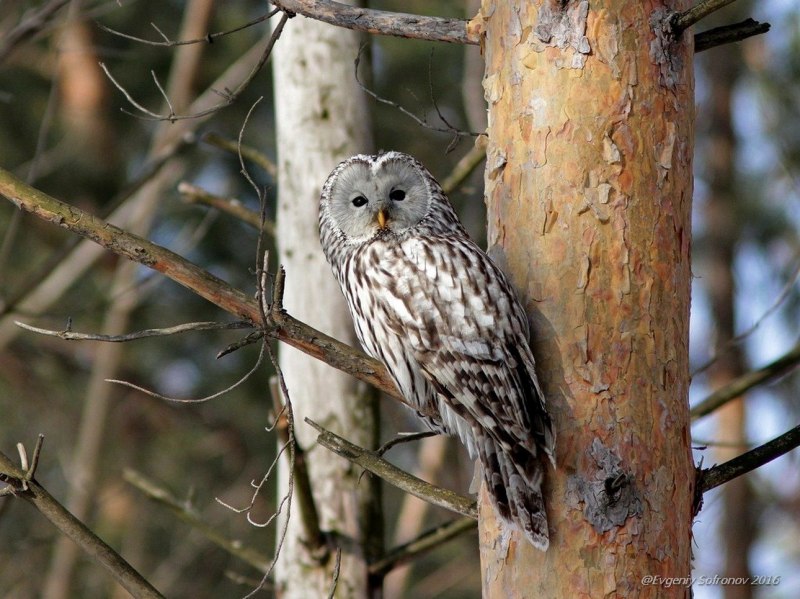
point(430, 304)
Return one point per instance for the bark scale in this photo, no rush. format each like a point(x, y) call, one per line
point(588, 191)
point(321, 119)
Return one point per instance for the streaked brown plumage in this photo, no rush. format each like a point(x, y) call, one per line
point(432, 306)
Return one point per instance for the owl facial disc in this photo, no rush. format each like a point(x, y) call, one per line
point(377, 195)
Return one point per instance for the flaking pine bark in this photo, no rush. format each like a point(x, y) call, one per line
point(588, 188)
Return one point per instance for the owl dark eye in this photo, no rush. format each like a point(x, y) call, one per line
point(397, 195)
point(359, 201)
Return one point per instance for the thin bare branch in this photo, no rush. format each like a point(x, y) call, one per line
point(193, 194)
point(393, 475)
point(253, 337)
point(30, 490)
point(184, 511)
point(404, 438)
point(249, 152)
point(281, 326)
point(706, 443)
point(229, 97)
point(242, 166)
point(781, 297)
point(224, 391)
point(130, 98)
point(722, 473)
point(728, 34)
point(68, 264)
point(437, 29)
point(336, 566)
point(422, 544)
point(70, 335)
point(34, 22)
point(746, 382)
point(405, 111)
point(208, 39)
point(683, 20)
point(163, 94)
point(303, 488)
point(468, 163)
point(291, 444)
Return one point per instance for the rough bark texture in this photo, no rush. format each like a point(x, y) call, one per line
point(321, 119)
point(588, 188)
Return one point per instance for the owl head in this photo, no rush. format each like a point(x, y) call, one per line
point(387, 194)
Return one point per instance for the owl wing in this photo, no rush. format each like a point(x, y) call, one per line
point(469, 336)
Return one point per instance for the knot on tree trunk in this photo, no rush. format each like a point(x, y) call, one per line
point(608, 494)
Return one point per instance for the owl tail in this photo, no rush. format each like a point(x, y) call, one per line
point(514, 481)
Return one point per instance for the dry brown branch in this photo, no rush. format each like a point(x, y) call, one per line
point(748, 461)
point(728, 34)
point(437, 29)
point(468, 163)
point(404, 481)
point(747, 381)
point(193, 194)
point(187, 514)
point(422, 544)
point(683, 20)
point(281, 325)
point(207, 39)
point(21, 483)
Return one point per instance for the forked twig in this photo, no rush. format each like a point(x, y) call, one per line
point(22, 484)
point(208, 39)
point(229, 97)
point(188, 515)
point(683, 20)
point(422, 122)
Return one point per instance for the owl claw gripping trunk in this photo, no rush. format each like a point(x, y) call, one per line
point(431, 305)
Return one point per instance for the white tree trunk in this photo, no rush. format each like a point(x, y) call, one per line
point(321, 118)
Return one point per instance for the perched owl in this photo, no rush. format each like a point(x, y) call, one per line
point(430, 304)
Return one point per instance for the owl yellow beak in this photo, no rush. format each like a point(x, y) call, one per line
point(382, 218)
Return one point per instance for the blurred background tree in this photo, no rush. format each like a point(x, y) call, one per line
point(62, 130)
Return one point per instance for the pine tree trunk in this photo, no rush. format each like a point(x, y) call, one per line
point(321, 119)
point(588, 188)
